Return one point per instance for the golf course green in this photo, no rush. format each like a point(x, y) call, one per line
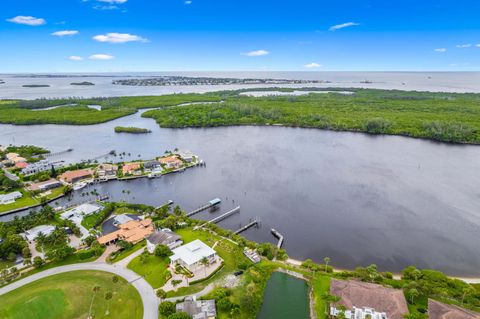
point(71, 295)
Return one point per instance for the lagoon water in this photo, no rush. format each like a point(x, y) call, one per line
point(357, 198)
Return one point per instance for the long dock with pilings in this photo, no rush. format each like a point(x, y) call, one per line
point(57, 153)
point(213, 202)
point(220, 218)
point(169, 203)
point(254, 222)
point(279, 236)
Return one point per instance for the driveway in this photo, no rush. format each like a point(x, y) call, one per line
point(149, 298)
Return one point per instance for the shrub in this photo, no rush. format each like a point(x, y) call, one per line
point(166, 308)
point(377, 125)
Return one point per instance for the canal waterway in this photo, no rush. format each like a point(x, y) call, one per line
point(357, 198)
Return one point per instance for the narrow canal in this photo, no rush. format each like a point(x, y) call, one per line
point(285, 297)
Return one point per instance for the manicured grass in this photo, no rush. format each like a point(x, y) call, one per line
point(69, 295)
point(231, 254)
point(154, 269)
point(127, 252)
point(25, 201)
point(55, 192)
point(321, 285)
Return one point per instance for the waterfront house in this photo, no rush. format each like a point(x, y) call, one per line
point(197, 309)
point(10, 197)
point(171, 162)
point(15, 158)
point(130, 168)
point(151, 165)
point(163, 237)
point(190, 255)
point(44, 186)
point(41, 166)
point(77, 214)
point(75, 176)
point(133, 232)
point(21, 165)
point(187, 156)
point(438, 310)
point(361, 298)
point(107, 171)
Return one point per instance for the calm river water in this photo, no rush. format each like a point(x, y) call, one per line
point(356, 198)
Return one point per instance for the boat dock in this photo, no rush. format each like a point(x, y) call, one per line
point(254, 222)
point(220, 218)
point(213, 202)
point(57, 153)
point(169, 203)
point(279, 236)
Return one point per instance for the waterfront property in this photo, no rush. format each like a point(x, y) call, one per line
point(198, 309)
point(133, 232)
point(75, 176)
point(77, 214)
point(366, 298)
point(190, 255)
point(43, 186)
point(357, 313)
point(438, 310)
point(10, 197)
point(131, 169)
point(40, 166)
point(187, 156)
point(163, 237)
point(107, 171)
point(171, 162)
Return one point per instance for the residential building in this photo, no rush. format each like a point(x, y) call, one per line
point(121, 219)
point(187, 156)
point(75, 176)
point(151, 165)
point(33, 233)
point(171, 162)
point(190, 255)
point(163, 237)
point(358, 313)
point(198, 309)
point(15, 158)
point(10, 197)
point(130, 168)
point(21, 165)
point(41, 166)
point(362, 299)
point(107, 171)
point(77, 214)
point(44, 186)
point(438, 310)
point(133, 232)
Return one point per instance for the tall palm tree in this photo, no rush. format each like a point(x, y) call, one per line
point(205, 262)
point(108, 296)
point(95, 290)
point(326, 260)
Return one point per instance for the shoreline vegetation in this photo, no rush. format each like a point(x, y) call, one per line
point(82, 83)
point(36, 86)
point(131, 130)
point(444, 117)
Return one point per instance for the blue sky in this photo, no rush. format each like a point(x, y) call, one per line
point(214, 35)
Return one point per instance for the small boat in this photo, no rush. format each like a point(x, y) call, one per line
point(78, 186)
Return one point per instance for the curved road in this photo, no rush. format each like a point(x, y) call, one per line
point(149, 298)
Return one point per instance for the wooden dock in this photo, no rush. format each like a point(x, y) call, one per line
point(213, 202)
point(279, 236)
point(169, 203)
point(221, 217)
point(57, 153)
point(254, 222)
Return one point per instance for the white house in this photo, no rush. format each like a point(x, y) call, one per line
point(33, 233)
point(163, 237)
point(191, 254)
point(10, 197)
point(77, 214)
point(358, 313)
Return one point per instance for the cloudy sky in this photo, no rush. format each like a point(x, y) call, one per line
point(212, 35)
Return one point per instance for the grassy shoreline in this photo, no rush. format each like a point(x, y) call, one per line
point(444, 117)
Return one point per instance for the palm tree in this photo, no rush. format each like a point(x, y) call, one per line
point(108, 296)
point(326, 260)
point(205, 262)
point(95, 290)
point(412, 293)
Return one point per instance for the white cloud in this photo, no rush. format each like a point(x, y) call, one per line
point(114, 37)
point(463, 46)
point(257, 53)
point(75, 58)
point(312, 65)
point(65, 33)
point(113, 1)
point(101, 57)
point(440, 50)
point(343, 25)
point(111, 7)
point(188, 2)
point(27, 20)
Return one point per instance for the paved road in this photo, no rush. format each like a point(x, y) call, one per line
point(149, 298)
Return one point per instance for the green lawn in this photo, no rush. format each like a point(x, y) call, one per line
point(154, 270)
point(127, 252)
point(25, 201)
point(68, 295)
point(321, 285)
